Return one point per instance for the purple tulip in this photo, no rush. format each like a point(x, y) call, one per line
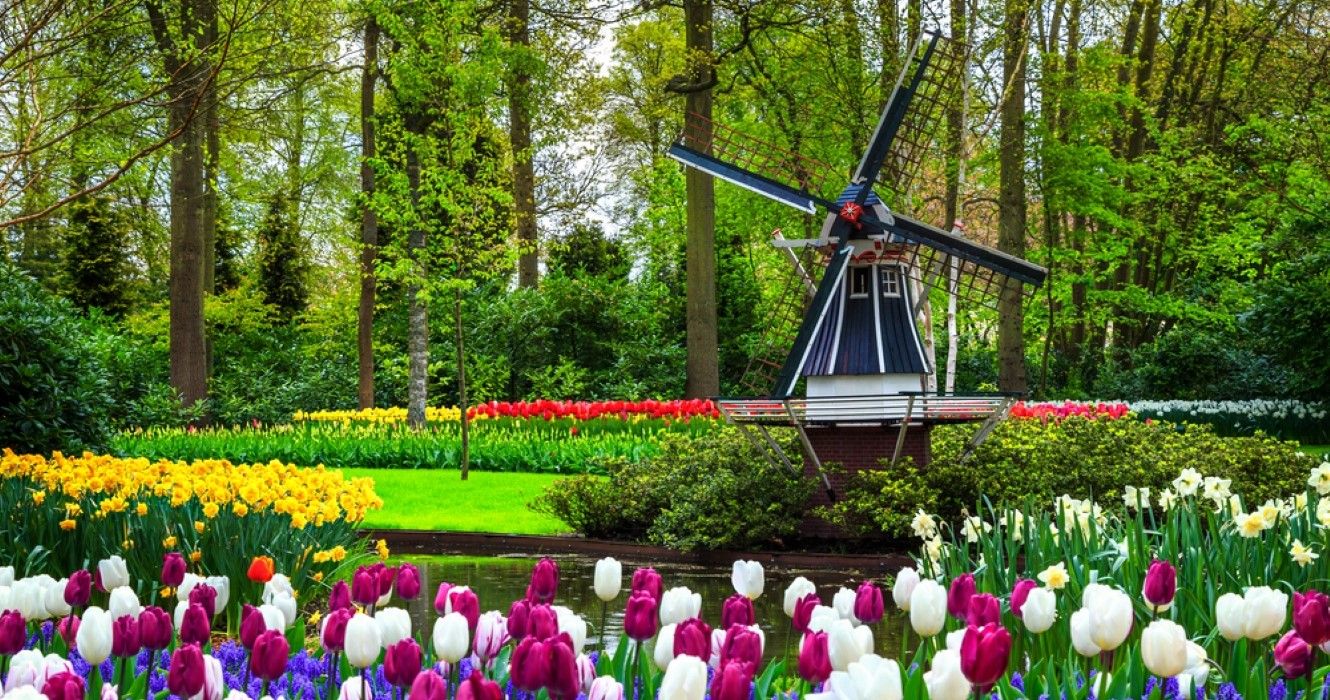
point(13, 632)
point(803, 612)
point(185, 675)
point(464, 601)
point(78, 589)
point(734, 681)
point(868, 607)
point(543, 622)
point(431, 686)
point(408, 582)
point(1294, 655)
point(530, 665)
point(365, 587)
point(519, 616)
point(1311, 616)
point(270, 654)
point(339, 598)
point(984, 655)
point(815, 658)
point(441, 598)
point(646, 579)
point(737, 610)
point(195, 628)
point(251, 626)
point(401, 663)
point(692, 637)
point(1161, 584)
point(985, 609)
point(173, 569)
point(64, 686)
point(475, 687)
point(1019, 594)
point(125, 637)
point(741, 644)
point(154, 628)
point(333, 635)
point(958, 596)
point(563, 682)
point(639, 617)
point(204, 596)
point(544, 582)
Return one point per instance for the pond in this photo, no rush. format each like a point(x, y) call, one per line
point(498, 581)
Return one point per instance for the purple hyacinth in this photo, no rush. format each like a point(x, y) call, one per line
point(1228, 691)
point(1171, 689)
point(1017, 681)
point(1278, 690)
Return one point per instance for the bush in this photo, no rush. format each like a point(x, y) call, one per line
point(706, 492)
point(1080, 457)
point(53, 386)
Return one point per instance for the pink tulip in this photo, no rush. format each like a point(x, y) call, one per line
point(544, 582)
point(269, 656)
point(646, 579)
point(1294, 655)
point(742, 644)
point(1019, 593)
point(185, 675)
point(339, 598)
point(68, 628)
point(563, 682)
point(958, 596)
point(519, 616)
point(491, 636)
point(1311, 616)
point(64, 686)
point(815, 658)
point(333, 636)
point(692, 637)
point(868, 606)
point(173, 569)
point(251, 625)
point(530, 665)
point(125, 637)
point(204, 596)
point(803, 612)
point(543, 622)
point(465, 601)
point(401, 662)
point(734, 681)
point(155, 628)
point(431, 686)
point(1161, 584)
point(195, 627)
point(639, 617)
point(364, 587)
point(984, 610)
point(984, 653)
point(475, 687)
point(78, 589)
point(408, 582)
point(14, 632)
point(737, 610)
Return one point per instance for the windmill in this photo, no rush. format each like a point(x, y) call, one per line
point(857, 352)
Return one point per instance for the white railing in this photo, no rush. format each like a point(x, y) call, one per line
point(887, 408)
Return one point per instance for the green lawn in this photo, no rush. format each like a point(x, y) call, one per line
point(437, 499)
point(1321, 450)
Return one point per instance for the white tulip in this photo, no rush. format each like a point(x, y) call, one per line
point(178, 617)
point(1081, 637)
point(955, 638)
point(55, 599)
point(124, 602)
point(6, 598)
point(1040, 611)
point(605, 688)
point(6, 576)
point(113, 572)
point(906, 580)
point(679, 604)
point(27, 692)
point(847, 643)
point(279, 585)
point(234, 694)
point(572, 624)
point(353, 688)
point(1266, 612)
point(394, 625)
point(1231, 616)
point(843, 602)
point(749, 578)
point(797, 589)
point(821, 619)
point(187, 584)
point(287, 605)
point(363, 641)
point(1197, 671)
point(870, 678)
point(451, 637)
point(29, 598)
point(26, 668)
point(214, 682)
point(222, 585)
point(1111, 616)
point(94, 636)
point(944, 680)
point(273, 617)
point(1164, 648)
point(928, 608)
point(663, 651)
point(609, 579)
point(685, 679)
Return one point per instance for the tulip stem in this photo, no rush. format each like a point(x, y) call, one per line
point(604, 633)
point(364, 687)
point(120, 675)
point(152, 671)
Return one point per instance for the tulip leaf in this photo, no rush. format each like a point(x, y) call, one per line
point(138, 688)
point(763, 684)
point(95, 683)
point(295, 635)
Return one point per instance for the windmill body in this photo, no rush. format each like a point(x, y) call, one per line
point(852, 378)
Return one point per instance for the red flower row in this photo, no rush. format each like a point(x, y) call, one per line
point(1067, 409)
point(586, 410)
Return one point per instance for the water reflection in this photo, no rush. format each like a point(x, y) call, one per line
point(498, 581)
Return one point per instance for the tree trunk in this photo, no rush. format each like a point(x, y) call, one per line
point(189, 371)
point(418, 313)
point(519, 136)
point(955, 182)
point(703, 372)
point(212, 164)
point(1011, 198)
point(889, 30)
point(369, 224)
point(461, 384)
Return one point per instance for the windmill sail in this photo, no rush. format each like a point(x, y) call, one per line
point(933, 69)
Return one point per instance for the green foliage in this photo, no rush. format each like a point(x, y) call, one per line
point(1290, 317)
point(1192, 362)
point(697, 492)
point(587, 252)
point(95, 263)
point(1076, 456)
point(283, 265)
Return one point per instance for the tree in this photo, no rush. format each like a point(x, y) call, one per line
point(1011, 197)
point(519, 138)
point(369, 225)
point(283, 262)
point(95, 265)
point(587, 252)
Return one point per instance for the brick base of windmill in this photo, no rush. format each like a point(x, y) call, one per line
point(856, 449)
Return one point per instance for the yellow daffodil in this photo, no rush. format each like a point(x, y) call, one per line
point(38, 497)
point(338, 553)
point(169, 542)
point(68, 524)
point(1249, 524)
point(314, 618)
point(381, 547)
point(141, 509)
point(240, 509)
point(199, 527)
point(1055, 576)
point(196, 556)
point(318, 577)
point(210, 510)
point(1302, 554)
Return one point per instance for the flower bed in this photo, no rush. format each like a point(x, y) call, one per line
point(676, 409)
point(61, 512)
point(1288, 419)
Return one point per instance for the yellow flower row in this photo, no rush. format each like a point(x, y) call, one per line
point(440, 414)
point(308, 495)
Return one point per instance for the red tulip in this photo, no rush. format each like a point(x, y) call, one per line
point(333, 636)
point(261, 569)
point(984, 653)
point(154, 628)
point(401, 662)
point(1311, 616)
point(408, 582)
point(1294, 655)
point(803, 612)
point(475, 687)
point(1019, 593)
point(431, 686)
point(544, 582)
point(737, 610)
point(742, 644)
point(646, 579)
point(125, 637)
point(269, 656)
point(692, 637)
point(519, 616)
point(339, 598)
point(64, 686)
point(958, 596)
point(173, 569)
point(639, 617)
point(13, 632)
point(204, 596)
point(868, 607)
point(984, 610)
point(815, 658)
point(78, 589)
point(1161, 584)
point(185, 675)
point(734, 681)
point(195, 628)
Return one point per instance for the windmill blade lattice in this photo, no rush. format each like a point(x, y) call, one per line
point(920, 131)
point(781, 327)
point(756, 155)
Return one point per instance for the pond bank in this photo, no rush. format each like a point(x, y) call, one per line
point(433, 542)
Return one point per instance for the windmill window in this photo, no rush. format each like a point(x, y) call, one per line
point(891, 282)
point(861, 282)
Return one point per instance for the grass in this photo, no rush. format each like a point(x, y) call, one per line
point(437, 499)
point(1322, 450)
